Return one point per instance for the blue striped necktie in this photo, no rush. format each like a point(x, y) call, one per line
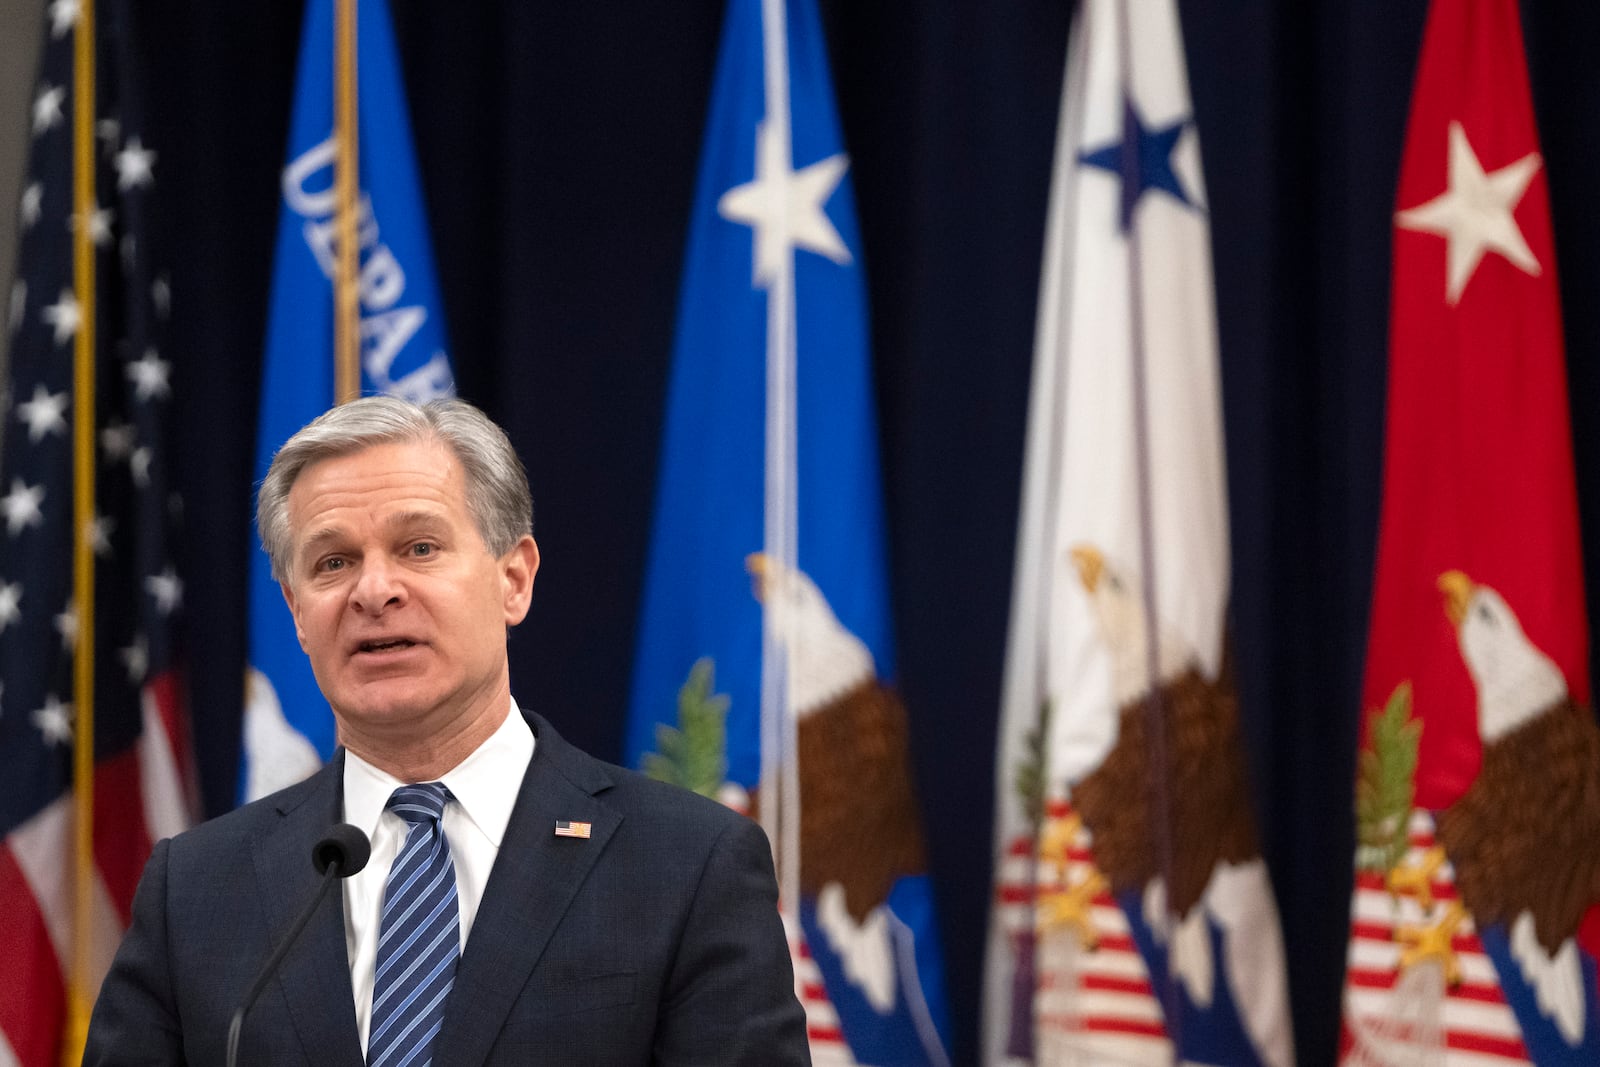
point(419, 935)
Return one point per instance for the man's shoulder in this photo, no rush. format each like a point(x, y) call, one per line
point(652, 796)
point(644, 801)
point(245, 823)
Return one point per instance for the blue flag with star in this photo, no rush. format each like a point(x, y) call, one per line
point(288, 728)
point(871, 971)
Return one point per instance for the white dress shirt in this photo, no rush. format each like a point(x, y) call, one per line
point(485, 787)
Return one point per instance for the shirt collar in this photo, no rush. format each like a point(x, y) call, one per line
point(477, 782)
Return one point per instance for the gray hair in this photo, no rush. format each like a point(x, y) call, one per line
point(498, 498)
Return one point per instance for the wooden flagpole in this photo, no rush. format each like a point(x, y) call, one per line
point(347, 188)
point(79, 995)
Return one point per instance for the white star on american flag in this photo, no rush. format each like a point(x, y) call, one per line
point(136, 658)
point(10, 604)
point(64, 315)
point(47, 107)
point(167, 588)
point(139, 464)
point(54, 721)
point(32, 204)
point(100, 220)
point(98, 534)
point(66, 624)
point(44, 414)
point(21, 506)
point(63, 16)
point(117, 439)
point(134, 165)
point(149, 376)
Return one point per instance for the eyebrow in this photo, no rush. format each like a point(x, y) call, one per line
point(425, 520)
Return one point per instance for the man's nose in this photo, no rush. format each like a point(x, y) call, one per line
point(378, 587)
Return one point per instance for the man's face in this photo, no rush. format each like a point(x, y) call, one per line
point(396, 599)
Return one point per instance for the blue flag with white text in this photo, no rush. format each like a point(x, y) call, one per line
point(288, 728)
point(774, 254)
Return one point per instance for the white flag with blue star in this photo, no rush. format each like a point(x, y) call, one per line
point(1133, 921)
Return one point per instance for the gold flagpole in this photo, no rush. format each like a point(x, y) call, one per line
point(346, 319)
point(80, 996)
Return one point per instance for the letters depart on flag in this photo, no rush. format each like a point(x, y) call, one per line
point(388, 322)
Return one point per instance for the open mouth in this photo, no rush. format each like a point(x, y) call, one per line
point(385, 646)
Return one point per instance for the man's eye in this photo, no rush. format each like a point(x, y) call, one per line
point(332, 563)
point(422, 548)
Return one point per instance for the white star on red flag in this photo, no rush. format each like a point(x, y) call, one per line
point(1474, 214)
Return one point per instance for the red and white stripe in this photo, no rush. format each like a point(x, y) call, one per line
point(828, 1047)
point(1474, 1025)
point(141, 796)
point(1097, 1003)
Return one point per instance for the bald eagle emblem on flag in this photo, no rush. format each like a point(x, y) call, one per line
point(1186, 910)
point(1491, 943)
point(859, 829)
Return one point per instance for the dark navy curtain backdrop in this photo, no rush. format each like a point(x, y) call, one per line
point(558, 145)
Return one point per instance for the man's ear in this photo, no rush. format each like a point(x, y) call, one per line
point(517, 570)
point(288, 598)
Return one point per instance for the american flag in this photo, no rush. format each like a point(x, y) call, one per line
point(143, 788)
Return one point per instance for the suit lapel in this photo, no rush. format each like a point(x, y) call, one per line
point(533, 882)
point(315, 976)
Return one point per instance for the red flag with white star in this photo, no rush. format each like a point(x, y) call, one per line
point(1464, 944)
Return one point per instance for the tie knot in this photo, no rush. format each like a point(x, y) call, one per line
point(423, 802)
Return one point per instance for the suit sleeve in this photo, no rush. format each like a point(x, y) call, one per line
point(135, 1022)
point(730, 995)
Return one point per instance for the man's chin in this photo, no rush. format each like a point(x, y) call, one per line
point(384, 705)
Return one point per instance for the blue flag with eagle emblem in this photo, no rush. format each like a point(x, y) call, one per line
point(774, 218)
point(288, 728)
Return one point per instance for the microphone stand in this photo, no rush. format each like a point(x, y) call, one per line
point(331, 856)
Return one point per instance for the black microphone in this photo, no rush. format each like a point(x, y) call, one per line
point(343, 851)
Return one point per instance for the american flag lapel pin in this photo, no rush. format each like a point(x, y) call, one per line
point(566, 828)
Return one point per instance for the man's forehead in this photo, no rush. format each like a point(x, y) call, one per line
point(397, 484)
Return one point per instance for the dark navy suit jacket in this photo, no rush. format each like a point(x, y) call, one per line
point(654, 941)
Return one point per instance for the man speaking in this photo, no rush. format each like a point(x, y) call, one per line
point(524, 903)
